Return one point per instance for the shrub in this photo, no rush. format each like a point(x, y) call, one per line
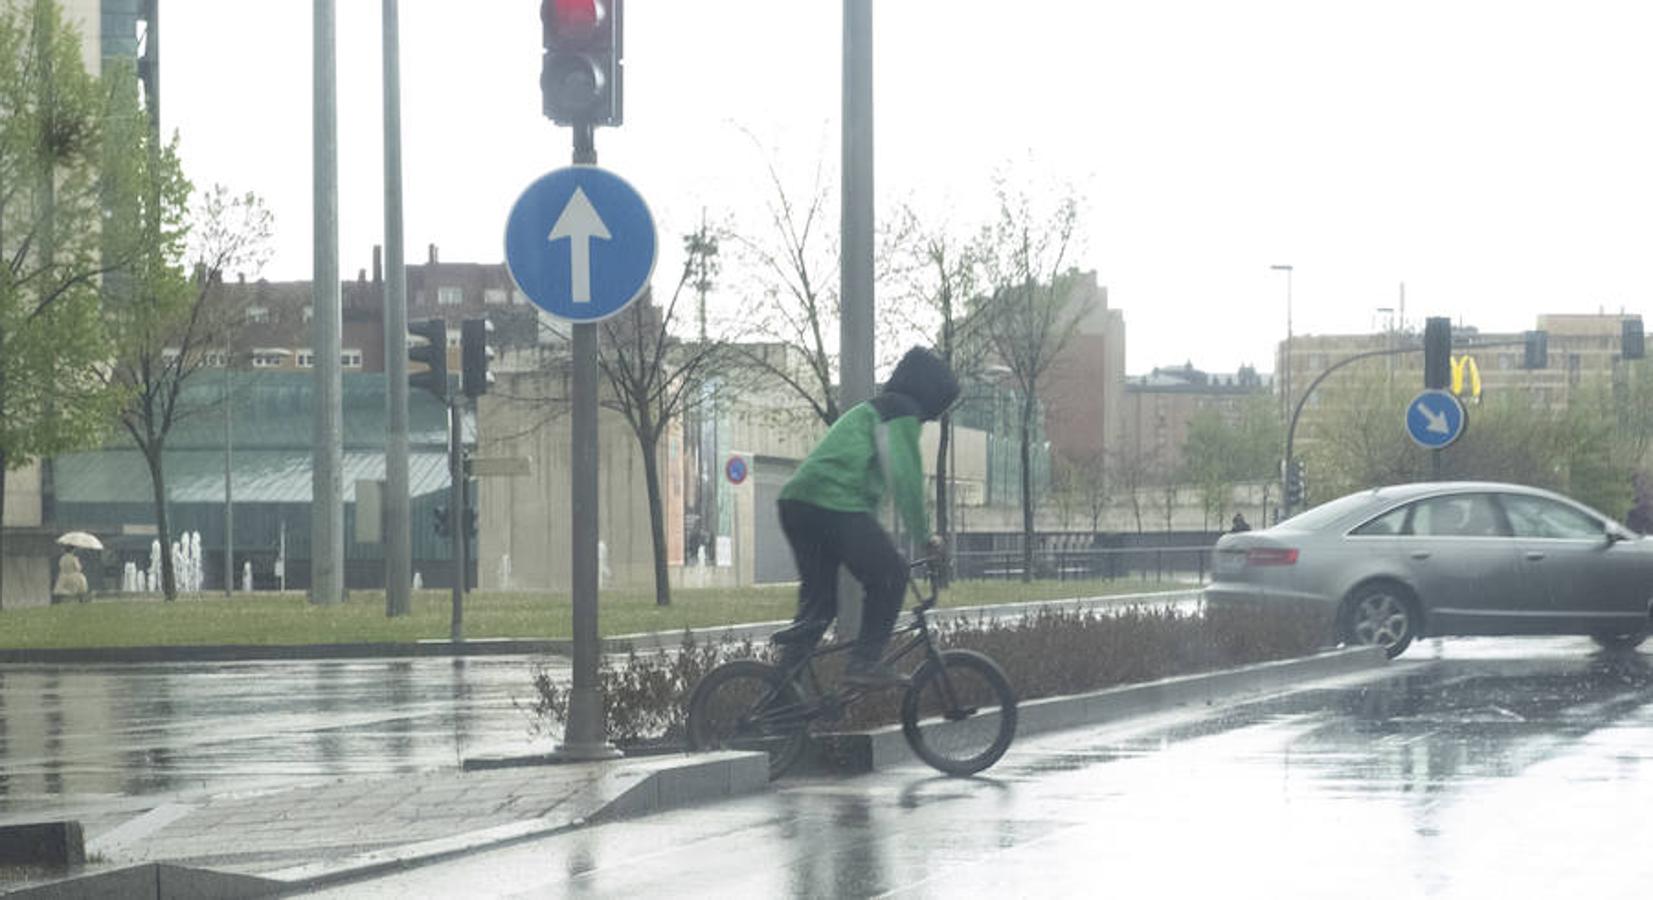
point(1045, 654)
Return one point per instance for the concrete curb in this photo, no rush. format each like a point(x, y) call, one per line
point(653, 785)
point(872, 750)
point(644, 641)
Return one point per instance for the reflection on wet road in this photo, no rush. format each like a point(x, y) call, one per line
point(83, 735)
point(1518, 768)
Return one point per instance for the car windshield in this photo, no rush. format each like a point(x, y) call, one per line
point(1327, 513)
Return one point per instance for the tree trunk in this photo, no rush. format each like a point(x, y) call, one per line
point(657, 522)
point(3, 464)
point(163, 530)
point(943, 492)
point(1027, 489)
point(943, 495)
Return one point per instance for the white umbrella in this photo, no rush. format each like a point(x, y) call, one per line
point(80, 539)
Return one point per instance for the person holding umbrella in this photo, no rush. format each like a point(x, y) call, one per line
point(71, 581)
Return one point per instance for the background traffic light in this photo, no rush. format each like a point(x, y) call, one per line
point(433, 353)
point(580, 74)
point(440, 514)
point(475, 357)
point(1296, 487)
point(1537, 352)
point(1437, 353)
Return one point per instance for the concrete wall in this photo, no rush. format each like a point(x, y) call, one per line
point(529, 517)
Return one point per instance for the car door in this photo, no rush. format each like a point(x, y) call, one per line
point(1464, 563)
point(1588, 579)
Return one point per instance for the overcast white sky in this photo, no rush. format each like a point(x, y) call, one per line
point(1496, 157)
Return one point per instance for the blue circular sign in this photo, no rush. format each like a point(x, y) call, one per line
point(580, 242)
point(735, 468)
point(1434, 419)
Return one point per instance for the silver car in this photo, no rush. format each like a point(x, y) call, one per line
point(1453, 558)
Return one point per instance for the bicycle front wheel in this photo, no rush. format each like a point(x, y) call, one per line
point(746, 705)
point(959, 716)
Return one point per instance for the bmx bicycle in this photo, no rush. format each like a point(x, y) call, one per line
point(958, 714)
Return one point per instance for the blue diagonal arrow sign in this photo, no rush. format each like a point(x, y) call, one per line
point(1434, 419)
point(580, 242)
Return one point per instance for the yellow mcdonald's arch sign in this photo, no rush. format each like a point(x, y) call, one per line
point(1466, 377)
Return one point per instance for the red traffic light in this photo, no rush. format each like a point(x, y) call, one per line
point(572, 21)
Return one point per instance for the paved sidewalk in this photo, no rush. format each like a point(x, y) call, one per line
point(345, 829)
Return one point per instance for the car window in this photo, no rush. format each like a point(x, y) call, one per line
point(1541, 517)
point(1391, 522)
point(1458, 515)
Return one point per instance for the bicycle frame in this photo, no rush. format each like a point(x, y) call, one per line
point(822, 703)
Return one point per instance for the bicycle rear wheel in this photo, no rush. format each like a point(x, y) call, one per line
point(959, 716)
point(746, 705)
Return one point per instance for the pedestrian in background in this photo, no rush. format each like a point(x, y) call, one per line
point(71, 582)
point(1239, 523)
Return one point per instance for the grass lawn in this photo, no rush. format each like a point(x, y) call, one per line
point(289, 619)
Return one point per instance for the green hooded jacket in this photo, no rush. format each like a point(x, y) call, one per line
point(874, 446)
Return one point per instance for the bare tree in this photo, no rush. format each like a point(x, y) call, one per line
point(166, 322)
point(939, 273)
point(1130, 469)
point(796, 263)
point(1033, 312)
point(1085, 479)
point(654, 379)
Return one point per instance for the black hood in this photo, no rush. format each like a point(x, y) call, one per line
point(922, 376)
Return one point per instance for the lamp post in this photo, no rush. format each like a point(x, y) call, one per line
point(1285, 391)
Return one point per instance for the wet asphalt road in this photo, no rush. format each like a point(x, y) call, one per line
point(1502, 768)
point(77, 740)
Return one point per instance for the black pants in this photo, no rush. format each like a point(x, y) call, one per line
point(824, 539)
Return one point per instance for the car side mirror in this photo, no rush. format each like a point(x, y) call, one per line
point(1614, 536)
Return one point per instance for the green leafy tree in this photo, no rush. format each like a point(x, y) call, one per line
point(162, 310)
point(1578, 448)
point(51, 254)
point(1222, 451)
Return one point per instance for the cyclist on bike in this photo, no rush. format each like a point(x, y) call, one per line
point(827, 513)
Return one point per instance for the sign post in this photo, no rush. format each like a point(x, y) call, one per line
point(581, 243)
point(1434, 419)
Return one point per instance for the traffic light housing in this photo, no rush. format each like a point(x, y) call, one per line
point(476, 357)
point(580, 74)
point(440, 514)
point(1437, 353)
point(1296, 487)
point(433, 354)
point(1537, 352)
point(1631, 345)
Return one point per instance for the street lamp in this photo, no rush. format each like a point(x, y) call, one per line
point(1285, 389)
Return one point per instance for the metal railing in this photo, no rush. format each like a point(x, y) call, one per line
point(1178, 563)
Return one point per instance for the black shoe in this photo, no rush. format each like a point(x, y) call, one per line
point(799, 632)
point(874, 676)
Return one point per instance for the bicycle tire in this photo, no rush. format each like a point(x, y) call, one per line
point(983, 715)
point(724, 703)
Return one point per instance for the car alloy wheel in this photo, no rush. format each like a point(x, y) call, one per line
point(1380, 616)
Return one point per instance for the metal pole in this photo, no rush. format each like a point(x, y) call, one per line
point(585, 736)
point(398, 537)
point(327, 490)
point(855, 326)
point(456, 516)
point(1285, 399)
point(229, 498)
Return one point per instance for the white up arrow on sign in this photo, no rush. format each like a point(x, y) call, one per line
point(579, 223)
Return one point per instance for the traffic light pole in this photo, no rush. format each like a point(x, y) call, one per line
point(584, 737)
point(459, 541)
